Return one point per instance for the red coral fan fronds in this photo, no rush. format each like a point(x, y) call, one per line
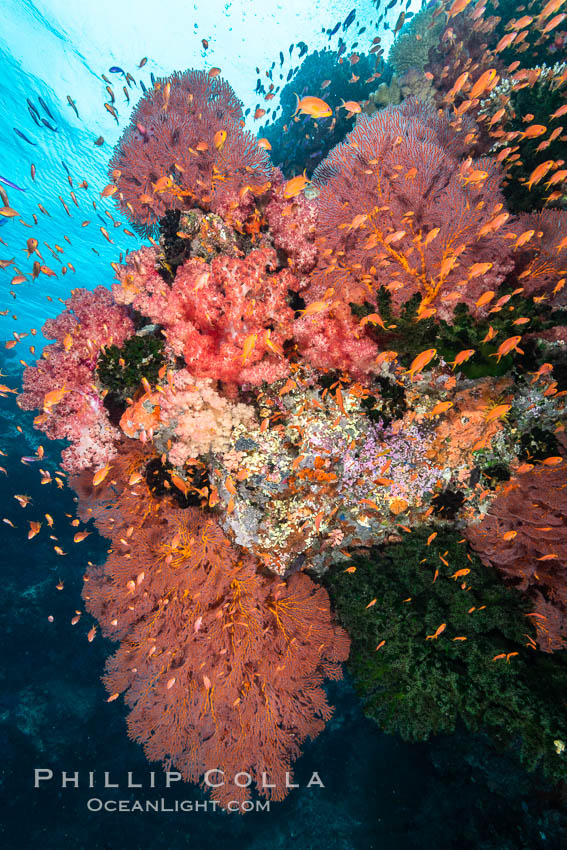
point(221, 667)
point(544, 256)
point(229, 319)
point(185, 147)
point(398, 211)
point(524, 536)
point(61, 385)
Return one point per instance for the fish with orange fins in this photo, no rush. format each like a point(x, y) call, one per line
point(506, 347)
point(420, 362)
point(437, 632)
point(296, 185)
point(313, 106)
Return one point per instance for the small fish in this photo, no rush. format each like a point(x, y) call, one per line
point(214, 72)
point(219, 139)
point(421, 361)
point(110, 108)
point(533, 131)
point(262, 143)
point(487, 80)
point(248, 347)
point(101, 474)
point(296, 185)
point(25, 138)
point(116, 70)
point(497, 412)
point(259, 113)
point(437, 632)
point(45, 108)
point(100, 141)
point(539, 172)
point(509, 345)
point(460, 573)
point(73, 105)
point(313, 106)
point(462, 357)
point(441, 407)
point(10, 184)
point(35, 117)
point(351, 106)
point(142, 62)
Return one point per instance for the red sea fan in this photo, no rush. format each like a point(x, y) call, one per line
point(221, 667)
point(524, 536)
point(172, 157)
point(544, 257)
point(397, 210)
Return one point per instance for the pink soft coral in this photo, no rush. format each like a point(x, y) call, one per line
point(92, 320)
point(210, 310)
point(293, 226)
point(186, 419)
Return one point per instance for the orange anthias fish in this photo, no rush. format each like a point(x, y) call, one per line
point(497, 412)
point(458, 6)
point(421, 361)
point(437, 632)
point(219, 139)
point(294, 186)
point(510, 344)
point(101, 474)
point(461, 357)
point(248, 347)
point(486, 80)
point(351, 106)
point(52, 398)
point(539, 172)
point(313, 106)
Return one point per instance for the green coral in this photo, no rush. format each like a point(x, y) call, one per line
point(540, 100)
point(409, 337)
point(409, 52)
point(120, 370)
point(417, 687)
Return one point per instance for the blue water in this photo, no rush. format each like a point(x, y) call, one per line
point(379, 792)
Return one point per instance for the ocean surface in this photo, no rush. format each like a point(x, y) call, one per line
point(379, 793)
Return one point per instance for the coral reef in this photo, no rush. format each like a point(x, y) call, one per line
point(435, 643)
point(341, 381)
point(220, 666)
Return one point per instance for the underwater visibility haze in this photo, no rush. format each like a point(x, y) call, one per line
point(282, 424)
